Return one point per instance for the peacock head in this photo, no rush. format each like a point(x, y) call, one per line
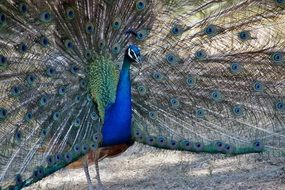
point(133, 53)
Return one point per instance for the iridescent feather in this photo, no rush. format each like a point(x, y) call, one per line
point(211, 79)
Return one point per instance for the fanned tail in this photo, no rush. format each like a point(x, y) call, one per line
point(50, 110)
point(213, 79)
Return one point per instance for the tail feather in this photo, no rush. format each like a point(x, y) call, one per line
point(214, 73)
point(48, 115)
point(211, 80)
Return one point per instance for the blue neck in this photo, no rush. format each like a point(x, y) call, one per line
point(117, 124)
point(124, 85)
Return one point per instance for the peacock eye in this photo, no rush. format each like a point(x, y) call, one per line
point(68, 44)
point(140, 5)
point(258, 86)
point(23, 8)
point(277, 57)
point(89, 28)
point(116, 49)
point(55, 116)
point(211, 30)
point(244, 35)
point(2, 19)
point(279, 105)
point(46, 17)
point(70, 14)
point(3, 60)
point(3, 113)
point(44, 41)
point(22, 47)
point(200, 113)
point(94, 116)
point(117, 24)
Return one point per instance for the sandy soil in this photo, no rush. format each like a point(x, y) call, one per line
point(142, 167)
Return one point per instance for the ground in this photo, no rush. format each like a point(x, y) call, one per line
point(147, 168)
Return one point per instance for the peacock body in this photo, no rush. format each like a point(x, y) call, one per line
point(195, 75)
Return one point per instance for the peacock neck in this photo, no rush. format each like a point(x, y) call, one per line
point(123, 95)
point(124, 85)
point(117, 125)
point(124, 80)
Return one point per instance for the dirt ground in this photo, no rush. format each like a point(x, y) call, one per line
point(142, 167)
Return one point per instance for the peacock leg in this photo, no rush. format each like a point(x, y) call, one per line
point(86, 171)
point(100, 185)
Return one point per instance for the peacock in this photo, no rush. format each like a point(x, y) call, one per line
point(82, 80)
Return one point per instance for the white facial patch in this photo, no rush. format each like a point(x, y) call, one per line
point(133, 55)
point(129, 53)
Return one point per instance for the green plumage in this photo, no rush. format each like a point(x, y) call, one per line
point(103, 78)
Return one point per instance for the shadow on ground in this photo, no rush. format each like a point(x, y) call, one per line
point(148, 168)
